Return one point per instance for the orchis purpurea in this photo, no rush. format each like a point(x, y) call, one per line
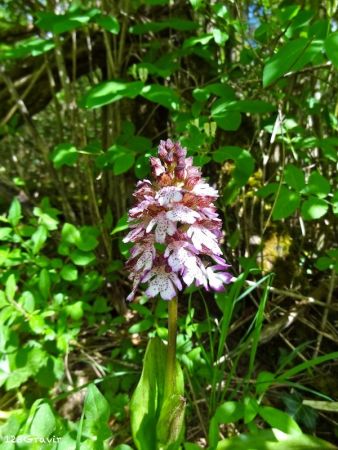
point(176, 210)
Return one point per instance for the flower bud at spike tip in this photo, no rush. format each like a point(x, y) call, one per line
point(176, 210)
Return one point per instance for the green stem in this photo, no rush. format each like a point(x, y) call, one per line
point(171, 352)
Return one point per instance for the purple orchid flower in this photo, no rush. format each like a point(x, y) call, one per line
point(176, 210)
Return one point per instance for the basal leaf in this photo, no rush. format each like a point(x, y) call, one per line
point(44, 422)
point(157, 418)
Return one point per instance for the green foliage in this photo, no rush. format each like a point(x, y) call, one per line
point(87, 90)
point(157, 413)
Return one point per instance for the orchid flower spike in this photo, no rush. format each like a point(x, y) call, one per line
point(176, 210)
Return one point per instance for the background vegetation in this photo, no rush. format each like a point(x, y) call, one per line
point(87, 90)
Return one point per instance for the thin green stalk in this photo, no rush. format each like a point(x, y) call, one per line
point(170, 375)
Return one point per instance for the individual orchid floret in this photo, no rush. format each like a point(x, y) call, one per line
point(175, 228)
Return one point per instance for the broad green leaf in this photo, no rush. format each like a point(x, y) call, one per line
point(318, 185)
point(121, 225)
point(157, 418)
point(123, 163)
point(96, 413)
point(267, 190)
point(334, 203)
point(64, 154)
point(75, 310)
point(286, 204)
point(69, 272)
point(331, 48)
point(279, 419)
point(245, 163)
point(10, 287)
point(143, 325)
point(284, 60)
point(96, 407)
point(226, 413)
point(14, 213)
point(70, 234)
point(251, 106)
point(250, 409)
point(147, 398)
point(287, 13)
point(220, 37)
point(44, 422)
point(109, 92)
point(28, 302)
point(39, 238)
point(87, 240)
point(174, 23)
point(109, 23)
point(203, 40)
point(228, 121)
point(44, 283)
point(294, 177)
point(190, 445)
point(32, 46)
point(60, 23)
point(314, 208)
point(264, 381)
point(273, 440)
point(161, 95)
point(80, 258)
point(5, 233)
point(324, 263)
